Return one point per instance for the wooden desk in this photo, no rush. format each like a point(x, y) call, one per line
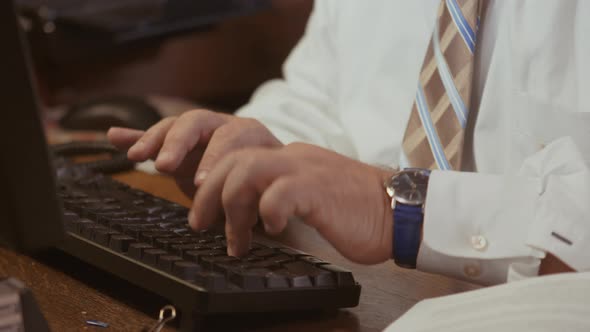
point(67, 302)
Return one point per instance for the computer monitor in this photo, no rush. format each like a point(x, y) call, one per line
point(30, 216)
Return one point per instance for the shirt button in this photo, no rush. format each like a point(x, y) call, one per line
point(472, 270)
point(479, 242)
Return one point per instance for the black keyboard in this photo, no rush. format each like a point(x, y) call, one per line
point(146, 240)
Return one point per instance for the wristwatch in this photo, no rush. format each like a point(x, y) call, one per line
point(407, 190)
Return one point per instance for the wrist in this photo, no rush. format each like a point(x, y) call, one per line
point(387, 234)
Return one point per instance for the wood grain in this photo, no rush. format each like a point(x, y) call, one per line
point(67, 301)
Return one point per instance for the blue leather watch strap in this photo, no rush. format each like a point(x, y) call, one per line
point(407, 229)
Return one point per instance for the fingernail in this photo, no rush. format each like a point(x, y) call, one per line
point(201, 176)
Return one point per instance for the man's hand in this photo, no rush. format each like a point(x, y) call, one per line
point(189, 146)
point(342, 198)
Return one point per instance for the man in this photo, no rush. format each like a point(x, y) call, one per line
point(505, 104)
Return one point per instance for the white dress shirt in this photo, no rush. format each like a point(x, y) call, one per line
point(525, 187)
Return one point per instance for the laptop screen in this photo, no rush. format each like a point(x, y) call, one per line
point(30, 216)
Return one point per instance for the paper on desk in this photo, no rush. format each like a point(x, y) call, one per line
point(551, 303)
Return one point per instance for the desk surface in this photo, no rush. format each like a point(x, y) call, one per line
point(67, 302)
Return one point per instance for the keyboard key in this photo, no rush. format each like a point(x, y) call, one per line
point(151, 236)
point(280, 259)
point(103, 236)
point(154, 219)
point(211, 280)
point(295, 281)
point(256, 246)
point(118, 222)
point(166, 262)
point(251, 258)
point(135, 230)
point(181, 249)
point(90, 201)
point(319, 277)
point(78, 194)
point(169, 214)
point(136, 250)
point(181, 220)
point(75, 226)
point(89, 230)
point(196, 255)
point(186, 270)
point(106, 217)
point(312, 260)
point(264, 264)
point(264, 252)
point(166, 225)
point(300, 268)
point(120, 243)
point(324, 279)
point(274, 280)
point(343, 277)
point(292, 252)
point(153, 209)
point(249, 279)
point(138, 202)
point(177, 207)
point(69, 216)
point(150, 256)
point(221, 262)
point(167, 242)
point(181, 231)
point(138, 193)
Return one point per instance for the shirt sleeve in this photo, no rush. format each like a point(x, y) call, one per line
point(496, 228)
point(301, 107)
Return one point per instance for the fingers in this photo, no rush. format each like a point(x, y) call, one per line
point(230, 137)
point(219, 146)
point(285, 198)
point(149, 144)
point(184, 135)
point(236, 185)
point(207, 201)
point(124, 138)
point(240, 199)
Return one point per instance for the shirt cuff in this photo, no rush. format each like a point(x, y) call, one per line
point(476, 234)
point(495, 228)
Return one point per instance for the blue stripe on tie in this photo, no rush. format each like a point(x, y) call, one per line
point(448, 81)
point(433, 139)
point(462, 25)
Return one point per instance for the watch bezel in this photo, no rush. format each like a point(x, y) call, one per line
point(394, 194)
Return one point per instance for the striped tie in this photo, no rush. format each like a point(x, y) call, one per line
point(435, 131)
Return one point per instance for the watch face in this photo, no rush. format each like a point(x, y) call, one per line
point(410, 185)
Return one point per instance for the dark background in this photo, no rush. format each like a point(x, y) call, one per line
point(218, 67)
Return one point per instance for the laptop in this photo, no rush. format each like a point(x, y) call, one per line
point(131, 234)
